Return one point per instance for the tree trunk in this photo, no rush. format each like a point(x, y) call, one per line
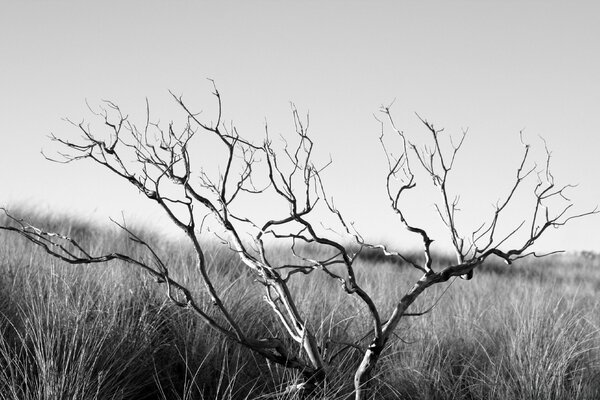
point(363, 375)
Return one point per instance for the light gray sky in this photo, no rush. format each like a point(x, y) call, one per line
point(493, 67)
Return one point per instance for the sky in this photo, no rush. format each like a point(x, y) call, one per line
point(495, 68)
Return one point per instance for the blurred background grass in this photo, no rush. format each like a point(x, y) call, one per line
point(527, 331)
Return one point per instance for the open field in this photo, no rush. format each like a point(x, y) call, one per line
point(529, 331)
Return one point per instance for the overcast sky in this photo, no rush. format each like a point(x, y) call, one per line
point(494, 67)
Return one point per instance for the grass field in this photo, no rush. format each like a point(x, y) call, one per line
point(529, 331)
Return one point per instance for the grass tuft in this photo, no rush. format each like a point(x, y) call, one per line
point(529, 331)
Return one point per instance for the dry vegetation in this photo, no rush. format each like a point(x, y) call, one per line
point(298, 303)
point(528, 331)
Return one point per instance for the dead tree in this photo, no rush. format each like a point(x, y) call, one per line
point(158, 161)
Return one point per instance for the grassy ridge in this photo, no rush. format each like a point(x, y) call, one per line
point(106, 331)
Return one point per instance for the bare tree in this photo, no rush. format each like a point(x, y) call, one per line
point(159, 162)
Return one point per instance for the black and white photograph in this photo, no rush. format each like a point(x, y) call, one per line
point(299, 200)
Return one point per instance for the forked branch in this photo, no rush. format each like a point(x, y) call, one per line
point(158, 161)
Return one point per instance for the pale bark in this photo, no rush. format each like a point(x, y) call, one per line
point(156, 159)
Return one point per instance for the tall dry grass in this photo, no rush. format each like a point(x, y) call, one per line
point(530, 331)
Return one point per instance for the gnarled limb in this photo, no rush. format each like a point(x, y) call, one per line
point(437, 164)
point(158, 161)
